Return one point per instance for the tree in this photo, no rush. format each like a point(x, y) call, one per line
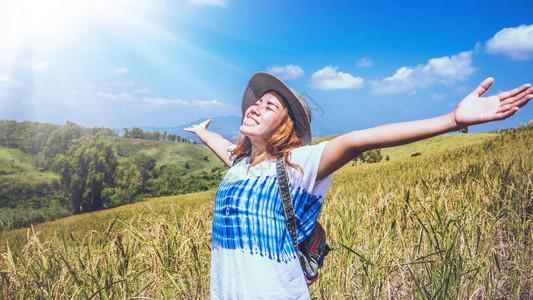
point(156, 135)
point(147, 135)
point(86, 169)
point(371, 156)
point(136, 133)
point(146, 166)
point(127, 182)
point(41, 135)
point(70, 131)
point(53, 147)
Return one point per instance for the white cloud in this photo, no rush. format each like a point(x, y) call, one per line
point(121, 70)
point(438, 97)
point(180, 102)
point(329, 79)
point(208, 103)
point(165, 101)
point(289, 72)
point(365, 62)
point(219, 3)
point(36, 65)
point(122, 96)
point(118, 83)
point(7, 81)
point(445, 70)
point(450, 69)
point(143, 91)
point(8, 85)
point(517, 42)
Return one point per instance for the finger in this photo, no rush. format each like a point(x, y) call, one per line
point(526, 94)
point(524, 101)
point(518, 104)
point(514, 92)
point(484, 86)
point(507, 114)
point(207, 122)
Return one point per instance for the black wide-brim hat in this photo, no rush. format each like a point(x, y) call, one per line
point(261, 83)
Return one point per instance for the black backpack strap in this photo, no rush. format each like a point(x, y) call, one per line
point(288, 210)
point(238, 159)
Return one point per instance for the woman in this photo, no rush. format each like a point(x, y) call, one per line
point(252, 253)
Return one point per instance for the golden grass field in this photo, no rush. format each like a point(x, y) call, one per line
point(449, 225)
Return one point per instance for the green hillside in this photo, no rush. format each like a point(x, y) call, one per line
point(198, 158)
point(76, 227)
point(22, 185)
point(455, 225)
point(18, 168)
point(49, 171)
point(15, 161)
point(431, 145)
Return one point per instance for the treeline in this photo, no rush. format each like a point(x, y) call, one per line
point(138, 133)
point(369, 157)
point(92, 175)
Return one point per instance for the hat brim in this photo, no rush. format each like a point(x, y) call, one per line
point(262, 82)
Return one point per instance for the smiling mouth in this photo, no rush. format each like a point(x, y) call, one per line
point(250, 122)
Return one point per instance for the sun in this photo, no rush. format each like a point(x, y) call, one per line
point(42, 21)
point(45, 23)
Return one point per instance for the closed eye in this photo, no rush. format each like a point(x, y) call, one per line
point(272, 105)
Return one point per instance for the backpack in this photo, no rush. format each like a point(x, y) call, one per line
point(313, 249)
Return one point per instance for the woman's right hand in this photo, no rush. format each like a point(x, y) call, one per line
point(214, 141)
point(196, 128)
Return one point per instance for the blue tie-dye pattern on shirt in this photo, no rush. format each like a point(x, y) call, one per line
point(248, 215)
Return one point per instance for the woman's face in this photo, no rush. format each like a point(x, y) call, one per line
point(263, 117)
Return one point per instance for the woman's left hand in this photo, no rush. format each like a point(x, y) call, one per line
point(475, 109)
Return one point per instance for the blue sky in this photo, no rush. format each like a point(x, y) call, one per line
point(166, 63)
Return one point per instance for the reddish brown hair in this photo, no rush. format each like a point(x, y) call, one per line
point(282, 140)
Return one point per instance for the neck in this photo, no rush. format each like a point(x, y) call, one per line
point(259, 152)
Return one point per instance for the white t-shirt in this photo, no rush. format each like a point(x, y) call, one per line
point(252, 255)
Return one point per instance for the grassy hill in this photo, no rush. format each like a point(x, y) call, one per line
point(428, 146)
point(30, 196)
point(16, 165)
point(76, 227)
point(456, 224)
point(22, 185)
point(198, 158)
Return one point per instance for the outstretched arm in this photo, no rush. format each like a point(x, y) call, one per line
point(474, 109)
point(214, 141)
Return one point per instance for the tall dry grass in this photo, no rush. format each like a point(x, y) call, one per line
point(455, 225)
point(149, 257)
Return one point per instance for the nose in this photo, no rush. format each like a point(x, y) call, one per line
point(255, 110)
